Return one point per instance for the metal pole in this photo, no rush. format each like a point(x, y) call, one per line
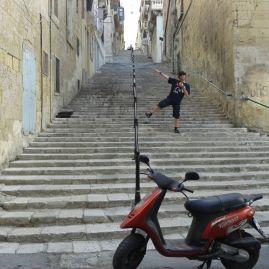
point(136, 149)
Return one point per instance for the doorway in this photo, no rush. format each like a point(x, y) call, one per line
point(29, 91)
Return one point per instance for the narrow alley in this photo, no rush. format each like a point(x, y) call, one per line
point(69, 190)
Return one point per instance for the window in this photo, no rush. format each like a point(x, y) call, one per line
point(78, 84)
point(57, 75)
point(77, 47)
point(45, 64)
point(89, 5)
point(56, 8)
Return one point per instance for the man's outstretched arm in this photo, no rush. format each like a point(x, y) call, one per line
point(161, 73)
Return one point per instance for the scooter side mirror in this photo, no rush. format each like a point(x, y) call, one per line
point(191, 176)
point(144, 159)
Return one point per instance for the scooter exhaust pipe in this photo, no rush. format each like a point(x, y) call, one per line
point(233, 254)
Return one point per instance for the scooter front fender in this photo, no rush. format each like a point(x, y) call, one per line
point(137, 218)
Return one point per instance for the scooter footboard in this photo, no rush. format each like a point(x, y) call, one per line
point(179, 248)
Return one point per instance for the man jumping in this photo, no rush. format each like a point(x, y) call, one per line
point(179, 88)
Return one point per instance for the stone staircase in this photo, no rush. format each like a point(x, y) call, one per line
point(70, 189)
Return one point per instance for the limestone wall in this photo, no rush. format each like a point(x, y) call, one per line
point(19, 26)
point(251, 54)
point(227, 42)
point(171, 14)
point(30, 23)
point(204, 48)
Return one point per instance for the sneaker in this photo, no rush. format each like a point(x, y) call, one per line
point(148, 114)
point(177, 131)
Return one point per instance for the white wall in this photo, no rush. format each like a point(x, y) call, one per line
point(159, 43)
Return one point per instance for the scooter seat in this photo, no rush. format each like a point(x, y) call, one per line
point(214, 204)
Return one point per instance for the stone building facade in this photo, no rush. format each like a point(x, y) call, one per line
point(150, 37)
point(48, 51)
point(114, 30)
point(224, 47)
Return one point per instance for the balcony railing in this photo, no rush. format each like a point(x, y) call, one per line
point(156, 4)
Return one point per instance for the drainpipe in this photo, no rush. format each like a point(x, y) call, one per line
point(174, 34)
point(178, 27)
point(41, 71)
point(50, 11)
point(165, 30)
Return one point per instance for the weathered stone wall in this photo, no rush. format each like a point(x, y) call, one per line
point(171, 14)
point(251, 54)
point(226, 42)
point(29, 23)
point(19, 25)
point(204, 48)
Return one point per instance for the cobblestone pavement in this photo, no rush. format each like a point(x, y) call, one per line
point(152, 260)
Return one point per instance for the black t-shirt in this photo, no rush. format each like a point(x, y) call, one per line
point(176, 93)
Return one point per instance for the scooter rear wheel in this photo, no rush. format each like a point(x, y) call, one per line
point(130, 252)
point(253, 253)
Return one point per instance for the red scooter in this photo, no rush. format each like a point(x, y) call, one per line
point(216, 231)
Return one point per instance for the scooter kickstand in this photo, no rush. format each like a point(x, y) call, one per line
point(207, 263)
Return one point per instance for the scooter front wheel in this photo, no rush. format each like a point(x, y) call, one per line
point(130, 252)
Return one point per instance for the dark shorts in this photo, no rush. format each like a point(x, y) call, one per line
point(168, 102)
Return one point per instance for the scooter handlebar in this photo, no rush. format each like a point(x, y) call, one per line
point(188, 190)
point(167, 183)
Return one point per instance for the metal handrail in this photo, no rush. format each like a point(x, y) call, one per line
point(136, 145)
point(245, 98)
point(215, 86)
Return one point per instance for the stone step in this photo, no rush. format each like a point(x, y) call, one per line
point(143, 99)
point(86, 247)
point(41, 190)
point(146, 144)
point(159, 138)
point(45, 217)
point(122, 178)
point(143, 127)
point(128, 113)
point(116, 169)
point(153, 150)
point(107, 200)
point(165, 155)
point(119, 102)
point(103, 105)
point(96, 123)
point(127, 118)
point(163, 115)
point(97, 231)
point(146, 129)
point(125, 161)
point(150, 133)
point(104, 108)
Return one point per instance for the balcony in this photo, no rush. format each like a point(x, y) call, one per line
point(156, 4)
